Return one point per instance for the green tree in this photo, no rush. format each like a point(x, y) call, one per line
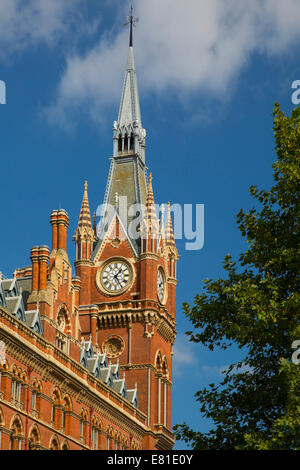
point(257, 307)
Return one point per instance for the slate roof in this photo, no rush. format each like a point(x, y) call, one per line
point(15, 304)
point(108, 373)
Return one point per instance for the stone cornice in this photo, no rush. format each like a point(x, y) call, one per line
point(130, 310)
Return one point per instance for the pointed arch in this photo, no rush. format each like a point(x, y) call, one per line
point(55, 409)
point(54, 443)
point(16, 433)
point(66, 418)
point(83, 425)
point(63, 319)
point(34, 440)
point(65, 446)
point(158, 361)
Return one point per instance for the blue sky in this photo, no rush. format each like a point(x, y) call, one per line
point(208, 77)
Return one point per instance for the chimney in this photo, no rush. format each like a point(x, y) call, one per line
point(53, 222)
point(63, 223)
point(35, 268)
point(43, 264)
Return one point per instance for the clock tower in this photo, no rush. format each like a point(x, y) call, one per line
point(128, 272)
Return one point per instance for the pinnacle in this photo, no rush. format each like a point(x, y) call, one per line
point(150, 222)
point(168, 232)
point(85, 216)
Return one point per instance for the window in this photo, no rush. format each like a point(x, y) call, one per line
point(83, 426)
point(16, 435)
point(95, 436)
point(34, 439)
point(16, 391)
point(33, 404)
point(54, 444)
point(55, 410)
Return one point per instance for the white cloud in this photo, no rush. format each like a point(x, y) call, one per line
point(24, 23)
point(194, 46)
point(183, 354)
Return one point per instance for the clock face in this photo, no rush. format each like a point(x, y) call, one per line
point(115, 276)
point(160, 285)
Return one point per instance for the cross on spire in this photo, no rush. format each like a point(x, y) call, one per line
point(132, 21)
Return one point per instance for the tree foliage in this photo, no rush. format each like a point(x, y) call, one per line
point(257, 307)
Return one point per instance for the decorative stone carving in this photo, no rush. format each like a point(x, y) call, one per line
point(113, 346)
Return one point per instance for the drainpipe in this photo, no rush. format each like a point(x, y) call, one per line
point(27, 408)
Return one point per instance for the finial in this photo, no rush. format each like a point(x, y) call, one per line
point(150, 177)
point(85, 185)
point(132, 21)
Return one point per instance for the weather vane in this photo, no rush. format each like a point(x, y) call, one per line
point(132, 21)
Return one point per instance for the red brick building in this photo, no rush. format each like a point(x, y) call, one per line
point(86, 357)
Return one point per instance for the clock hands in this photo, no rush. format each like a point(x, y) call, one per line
point(116, 277)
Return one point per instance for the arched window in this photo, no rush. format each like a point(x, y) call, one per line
point(83, 426)
point(16, 391)
point(158, 362)
point(95, 437)
point(65, 446)
point(16, 434)
point(36, 389)
point(65, 418)
point(34, 440)
point(54, 444)
point(55, 410)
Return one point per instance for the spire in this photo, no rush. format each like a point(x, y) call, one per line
point(168, 232)
point(84, 230)
point(129, 111)
point(85, 216)
point(150, 225)
point(127, 174)
point(129, 135)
